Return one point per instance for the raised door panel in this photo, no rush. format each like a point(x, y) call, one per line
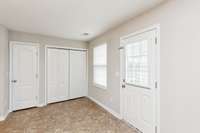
point(78, 74)
point(58, 75)
point(147, 111)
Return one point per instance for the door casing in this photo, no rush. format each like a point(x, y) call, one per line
point(11, 44)
point(157, 49)
point(67, 48)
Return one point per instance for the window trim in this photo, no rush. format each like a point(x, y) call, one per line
point(100, 86)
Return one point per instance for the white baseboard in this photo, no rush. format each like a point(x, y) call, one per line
point(41, 105)
point(106, 108)
point(2, 118)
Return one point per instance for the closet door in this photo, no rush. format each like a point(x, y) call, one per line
point(57, 75)
point(78, 74)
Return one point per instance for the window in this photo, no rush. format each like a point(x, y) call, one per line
point(137, 67)
point(100, 66)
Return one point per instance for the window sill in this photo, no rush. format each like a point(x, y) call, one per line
point(100, 86)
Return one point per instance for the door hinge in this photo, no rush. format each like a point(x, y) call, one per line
point(156, 129)
point(156, 84)
point(156, 40)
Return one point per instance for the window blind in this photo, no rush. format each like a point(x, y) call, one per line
point(100, 65)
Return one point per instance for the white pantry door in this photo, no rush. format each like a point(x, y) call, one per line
point(24, 78)
point(57, 75)
point(78, 74)
point(139, 81)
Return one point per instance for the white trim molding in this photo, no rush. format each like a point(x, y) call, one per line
point(45, 77)
point(64, 47)
point(41, 105)
point(3, 117)
point(114, 113)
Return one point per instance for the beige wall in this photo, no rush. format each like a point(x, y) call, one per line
point(180, 65)
point(44, 40)
point(4, 103)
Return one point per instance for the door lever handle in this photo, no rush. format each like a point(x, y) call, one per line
point(14, 81)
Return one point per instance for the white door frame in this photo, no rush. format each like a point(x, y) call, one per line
point(61, 47)
point(11, 44)
point(157, 28)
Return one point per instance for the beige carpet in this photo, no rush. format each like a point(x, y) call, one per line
point(74, 116)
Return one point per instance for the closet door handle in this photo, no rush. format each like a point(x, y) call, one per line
point(14, 81)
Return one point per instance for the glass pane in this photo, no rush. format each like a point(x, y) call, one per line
point(100, 75)
point(137, 69)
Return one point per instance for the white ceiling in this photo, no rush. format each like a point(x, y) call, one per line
point(69, 18)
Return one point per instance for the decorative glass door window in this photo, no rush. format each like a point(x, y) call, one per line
point(137, 67)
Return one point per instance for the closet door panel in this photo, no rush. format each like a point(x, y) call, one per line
point(78, 74)
point(57, 75)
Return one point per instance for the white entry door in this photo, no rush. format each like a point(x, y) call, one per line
point(24, 78)
point(78, 74)
point(57, 75)
point(139, 81)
